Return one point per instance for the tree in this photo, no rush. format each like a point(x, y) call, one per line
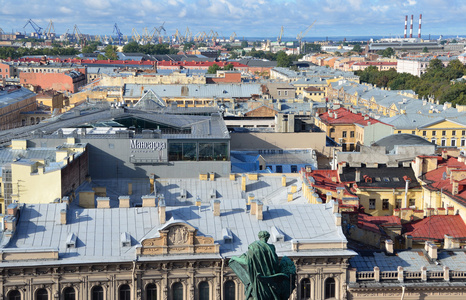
point(213, 69)
point(244, 44)
point(310, 47)
point(357, 48)
point(283, 60)
point(388, 52)
point(425, 50)
point(233, 55)
point(110, 52)
point(229, 67)
point(131, 47)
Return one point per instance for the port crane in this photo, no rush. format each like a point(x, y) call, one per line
point(49, 31)
point(36, 27)
point(302, 34)
point(119, 34)
point(279, 39)
point(232, 37)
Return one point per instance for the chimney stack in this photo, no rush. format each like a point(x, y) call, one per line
point(420, 21)
point(406, 25)
point(216, 208)
point(411, 28)
point(162, 215)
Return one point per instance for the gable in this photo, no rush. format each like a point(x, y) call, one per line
point(262, 111)
point(178, 238)
point(444, 124)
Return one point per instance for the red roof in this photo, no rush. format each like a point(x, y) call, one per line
point(375, 63)
point(200, 63)
point(373, 223)
point(435, 227)
point(439, 179)
point(324, 180)
point(344, 116)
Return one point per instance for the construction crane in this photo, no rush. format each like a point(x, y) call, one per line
point(279, 39)
point(119, 34)
point(187, 35)
point(36, 28)
point(302, 34)
point(49, 31)
point(232, 37)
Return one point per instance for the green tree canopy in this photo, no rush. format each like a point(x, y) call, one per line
point(357, 48)
point(283, 60)
point(244, 44)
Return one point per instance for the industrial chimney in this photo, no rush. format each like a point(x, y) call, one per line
point(411, 28)
point(406, 25)
point(419, 32)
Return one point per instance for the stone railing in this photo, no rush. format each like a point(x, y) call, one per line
point(402, 275)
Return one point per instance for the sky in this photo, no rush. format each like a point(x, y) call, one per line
point(248, 18)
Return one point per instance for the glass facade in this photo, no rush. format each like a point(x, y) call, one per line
point(198, 151)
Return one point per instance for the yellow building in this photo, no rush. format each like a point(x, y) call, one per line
point(444, 132)
point(350, 129)
point(41, 175)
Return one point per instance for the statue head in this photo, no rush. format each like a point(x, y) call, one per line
point(264, 236)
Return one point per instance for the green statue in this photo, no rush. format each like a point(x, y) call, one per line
point(264, 276)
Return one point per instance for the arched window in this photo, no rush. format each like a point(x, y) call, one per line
point(42, 294)
point(14, 295)
point(125, 292)
point(329, 288)
point(32, 121)
point(229, 290)
point(69, 293)
point(204, 291)
point(151, 292)
point(97, 293)
point(305, 289)
point(177, 290)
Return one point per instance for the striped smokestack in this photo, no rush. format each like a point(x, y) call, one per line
point(411, 28)
point(420, 21)
point(406, 25)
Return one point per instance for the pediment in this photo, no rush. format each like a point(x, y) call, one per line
point(178, 238)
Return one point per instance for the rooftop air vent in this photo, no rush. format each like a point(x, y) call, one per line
point(71, 240)
point(125, 239)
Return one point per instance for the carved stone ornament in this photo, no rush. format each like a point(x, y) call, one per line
point(178, 235)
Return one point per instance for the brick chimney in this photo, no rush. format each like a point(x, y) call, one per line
point(162, 213)
point(216, 208)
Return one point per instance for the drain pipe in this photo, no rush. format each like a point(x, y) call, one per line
point(221, 279)
point(405, 204)
point(132, 279)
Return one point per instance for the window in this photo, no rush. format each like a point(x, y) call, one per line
point(453, 142)
point(294, 169)
point(343, 134)
point(279, 93)
point(351, 134)
point(463, 133)
point(204, 291)
point(151, 292)
point(424, 133)
point(125, 292)
point(329, 288)
point(412, 202)
point(177, 290)
point(434, 141)
point(398, 203)
point(385, 204)
point(453, 132)
point(434, 133)
point(229, 290)
point(444, 132)
point(69, 294)
point(444, 142)
point(97, 293)
point(399, 131)
point(278, 169)
point(14, 295)
point(42, 294)
point(286, 93)
point(371, 203)
point(463, 142)
point(305, 289)
point(413, 132)
point(332, 130)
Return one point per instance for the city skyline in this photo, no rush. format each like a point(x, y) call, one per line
point(246, 18)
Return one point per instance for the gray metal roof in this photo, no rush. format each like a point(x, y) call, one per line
point(98, 231)
point(195, 90)
point(410, 260)
point(13, 96)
